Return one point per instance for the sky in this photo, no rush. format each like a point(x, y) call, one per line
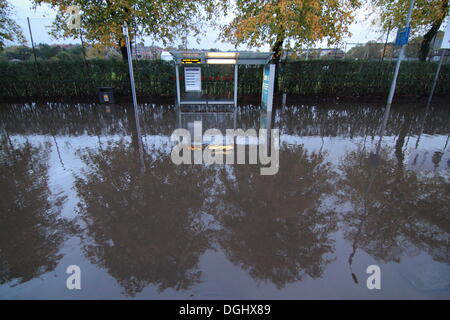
point(42, 17)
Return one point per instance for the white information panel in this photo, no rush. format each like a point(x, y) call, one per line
point(193, 79)
point(268, 87)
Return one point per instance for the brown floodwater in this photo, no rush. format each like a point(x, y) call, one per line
point(82, 185)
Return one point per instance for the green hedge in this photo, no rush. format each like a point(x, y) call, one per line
point(72, 79)
point(360, 78)
point(51, 80)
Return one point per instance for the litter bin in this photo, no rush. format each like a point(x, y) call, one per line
point(106, 94)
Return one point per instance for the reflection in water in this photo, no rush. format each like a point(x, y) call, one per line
point(394, 211)
point(143, 227)
point(147, 223)
point(347, 120)
point(273, 226)
point(31, 232)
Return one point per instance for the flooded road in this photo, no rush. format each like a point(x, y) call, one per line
point(82, 186)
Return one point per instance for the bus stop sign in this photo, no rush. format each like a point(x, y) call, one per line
point(402, 36)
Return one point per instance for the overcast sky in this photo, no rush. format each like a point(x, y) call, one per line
point(42, 17)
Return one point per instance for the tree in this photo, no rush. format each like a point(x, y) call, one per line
point(45, 51)
point(31, 229)
point(18, 52)
point(357, 52)
point(101, 21)
point(144, 228)
point(413, 47)
point(64, 55)
point(370, 51)
point(393, 212)
point(427, 18)
point(96, 52)
point(76, 50)
point(9, 29)
point(280, 231)
point(289, 22)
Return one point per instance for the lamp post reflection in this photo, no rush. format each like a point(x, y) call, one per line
point(394, 211)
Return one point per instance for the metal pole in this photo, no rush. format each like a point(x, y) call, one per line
point(235, 84)
point(177, 73)
point(84, 58)
point(133, 93)
point(387, 39)
point(446, 142)
point(82, 47)
point(436, 77)
point(32, 42)
point(34, 54)
point(380, 67)
point(397, 68)
point(130, 67)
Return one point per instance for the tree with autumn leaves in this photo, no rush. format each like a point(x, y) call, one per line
point(289, 22)
point(101, 21)
point(427, 18)
point(279, 23)
point(9, 29)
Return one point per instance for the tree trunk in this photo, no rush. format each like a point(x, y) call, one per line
point(123, 49)
point(428, 37)
point(276, 49)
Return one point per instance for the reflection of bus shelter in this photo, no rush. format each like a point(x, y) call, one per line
point(190, 86)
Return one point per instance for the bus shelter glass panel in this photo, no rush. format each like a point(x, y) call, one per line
point(206, 82)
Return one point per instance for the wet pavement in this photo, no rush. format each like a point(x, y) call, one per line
point(82, 185)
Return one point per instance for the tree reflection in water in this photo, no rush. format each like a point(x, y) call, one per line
point(143, 227)
point(275, 226)
point(31, 232)
point(150, 227)
point(394, 211)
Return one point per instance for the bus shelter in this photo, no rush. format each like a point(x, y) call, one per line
point(211, 77)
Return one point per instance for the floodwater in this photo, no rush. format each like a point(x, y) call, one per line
point(77, 188)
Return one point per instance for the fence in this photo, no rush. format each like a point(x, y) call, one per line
point(373, 51)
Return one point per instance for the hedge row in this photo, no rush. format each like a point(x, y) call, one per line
point(50, 80)
point(361, 78)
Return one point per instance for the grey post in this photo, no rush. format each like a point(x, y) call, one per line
point(31, 37)
point(436, 77)
point(130, 67)
point(34, 54)
point(397, 68)
point(177, 73)
point(235, 84)
point(133, 93)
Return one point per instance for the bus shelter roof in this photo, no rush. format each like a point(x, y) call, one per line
point(221, 57)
